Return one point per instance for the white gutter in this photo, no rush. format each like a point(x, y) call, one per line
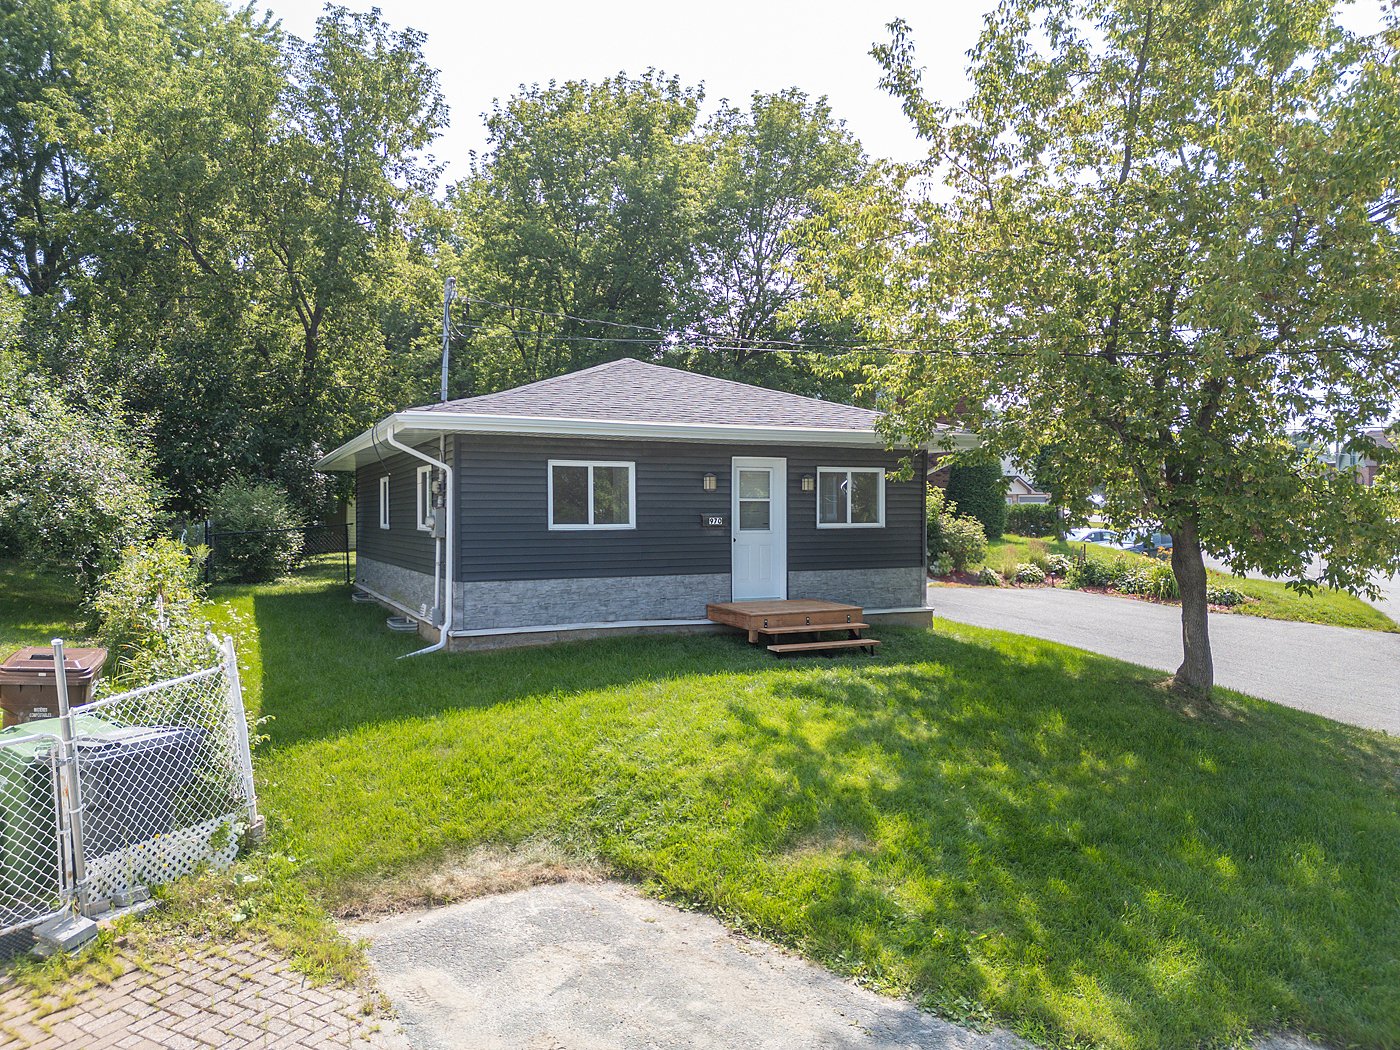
point(461, 422)
point(450, 503)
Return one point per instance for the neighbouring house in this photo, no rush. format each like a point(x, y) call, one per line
point(1020, 486)
point(627, 497)
point(1366, 465)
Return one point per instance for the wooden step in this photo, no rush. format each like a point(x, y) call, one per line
point(815, 647)
point(814, 629)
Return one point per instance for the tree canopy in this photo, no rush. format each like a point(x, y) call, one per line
point(1164, 246)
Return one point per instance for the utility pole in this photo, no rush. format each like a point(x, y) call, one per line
point(449, 292)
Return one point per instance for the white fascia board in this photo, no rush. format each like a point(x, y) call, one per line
point(446, 422)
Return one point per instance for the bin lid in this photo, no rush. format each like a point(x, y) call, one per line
point(45, 729)
point(33, 665)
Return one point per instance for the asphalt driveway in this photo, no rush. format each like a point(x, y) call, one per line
point(1343, 673)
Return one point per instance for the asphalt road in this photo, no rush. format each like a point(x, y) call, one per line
point(1347, 674)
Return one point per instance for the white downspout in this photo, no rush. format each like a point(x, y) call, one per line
point(450, 502)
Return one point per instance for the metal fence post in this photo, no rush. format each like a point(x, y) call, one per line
point(70, 790)
point(239, 717)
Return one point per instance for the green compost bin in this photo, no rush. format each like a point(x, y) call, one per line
point(29, 858)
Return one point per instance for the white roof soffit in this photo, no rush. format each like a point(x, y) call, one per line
point(414, 425)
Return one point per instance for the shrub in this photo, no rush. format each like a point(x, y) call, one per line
point(1150, 581)
point(942, 565)
point(146, 614)
point(989, 577)
point(980, 492)
point(1058, 564)
point(76, 487)
point(1225, 595)
point(1030, 574)
point(964, 542)
point(936, 508)
point(1033, 519)
point(1090, 573)
point(1038, 554)
point(267, 540)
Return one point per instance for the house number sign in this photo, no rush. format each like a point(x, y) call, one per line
point(713, 521)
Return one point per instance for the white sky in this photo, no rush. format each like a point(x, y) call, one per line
point(485, 51)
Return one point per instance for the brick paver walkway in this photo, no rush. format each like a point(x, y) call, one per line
point(244, 996)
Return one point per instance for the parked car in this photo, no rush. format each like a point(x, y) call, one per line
point(1106, 537)
point(1157, 544)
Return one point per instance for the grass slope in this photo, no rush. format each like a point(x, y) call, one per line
point(999, 826)
point(1274, 600)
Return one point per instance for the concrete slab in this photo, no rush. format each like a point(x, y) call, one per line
point(593, 966)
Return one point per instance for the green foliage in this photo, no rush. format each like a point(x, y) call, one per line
point(1167, 239)
point(934, 509)
point(1058, 564)
point(221, 224)
point(1091, 572)
point(980, 491)
point(1034, 519)
point(1150, 581)
point(989, 577)
point(266, 539)
point(148, 618)
point(1029, 574)
point(1229, 597)
point(964, 542)
point(76, 485)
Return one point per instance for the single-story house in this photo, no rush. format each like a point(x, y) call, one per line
point(627, 497)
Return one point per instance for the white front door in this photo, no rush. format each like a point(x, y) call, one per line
point(759, 516)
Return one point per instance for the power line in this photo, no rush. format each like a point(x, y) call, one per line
point(682, 340)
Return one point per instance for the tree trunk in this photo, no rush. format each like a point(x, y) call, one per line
point(1197, 671)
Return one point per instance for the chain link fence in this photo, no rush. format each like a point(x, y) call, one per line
point(131, 791)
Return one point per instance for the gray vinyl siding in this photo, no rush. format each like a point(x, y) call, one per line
point(403, 543)
point(504, 522)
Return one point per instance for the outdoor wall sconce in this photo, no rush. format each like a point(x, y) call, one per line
point(808, 483)
point(710, 482)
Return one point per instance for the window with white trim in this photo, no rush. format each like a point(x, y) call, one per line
point(384, 502)
point(592, 495)
point(850, 497)
point(425, 499)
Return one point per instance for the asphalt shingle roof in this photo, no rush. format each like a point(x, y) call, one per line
point(635, 391)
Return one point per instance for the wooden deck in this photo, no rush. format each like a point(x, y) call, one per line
point(770, 621)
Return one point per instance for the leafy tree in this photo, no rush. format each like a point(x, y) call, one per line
point(76, 486)
point(770, 167)
point(1169, 235)
point(236, 219)
point(585, 204)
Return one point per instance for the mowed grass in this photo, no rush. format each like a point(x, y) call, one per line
point(37, 607)
point(1273, 600)
point(1000, 827)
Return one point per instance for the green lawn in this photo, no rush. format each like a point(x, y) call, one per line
point(998, 826)
point(1273, 600)
point(36, 608)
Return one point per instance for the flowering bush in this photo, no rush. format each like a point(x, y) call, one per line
point(1225, 595)
point(989, 577)
point(1029, 574)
